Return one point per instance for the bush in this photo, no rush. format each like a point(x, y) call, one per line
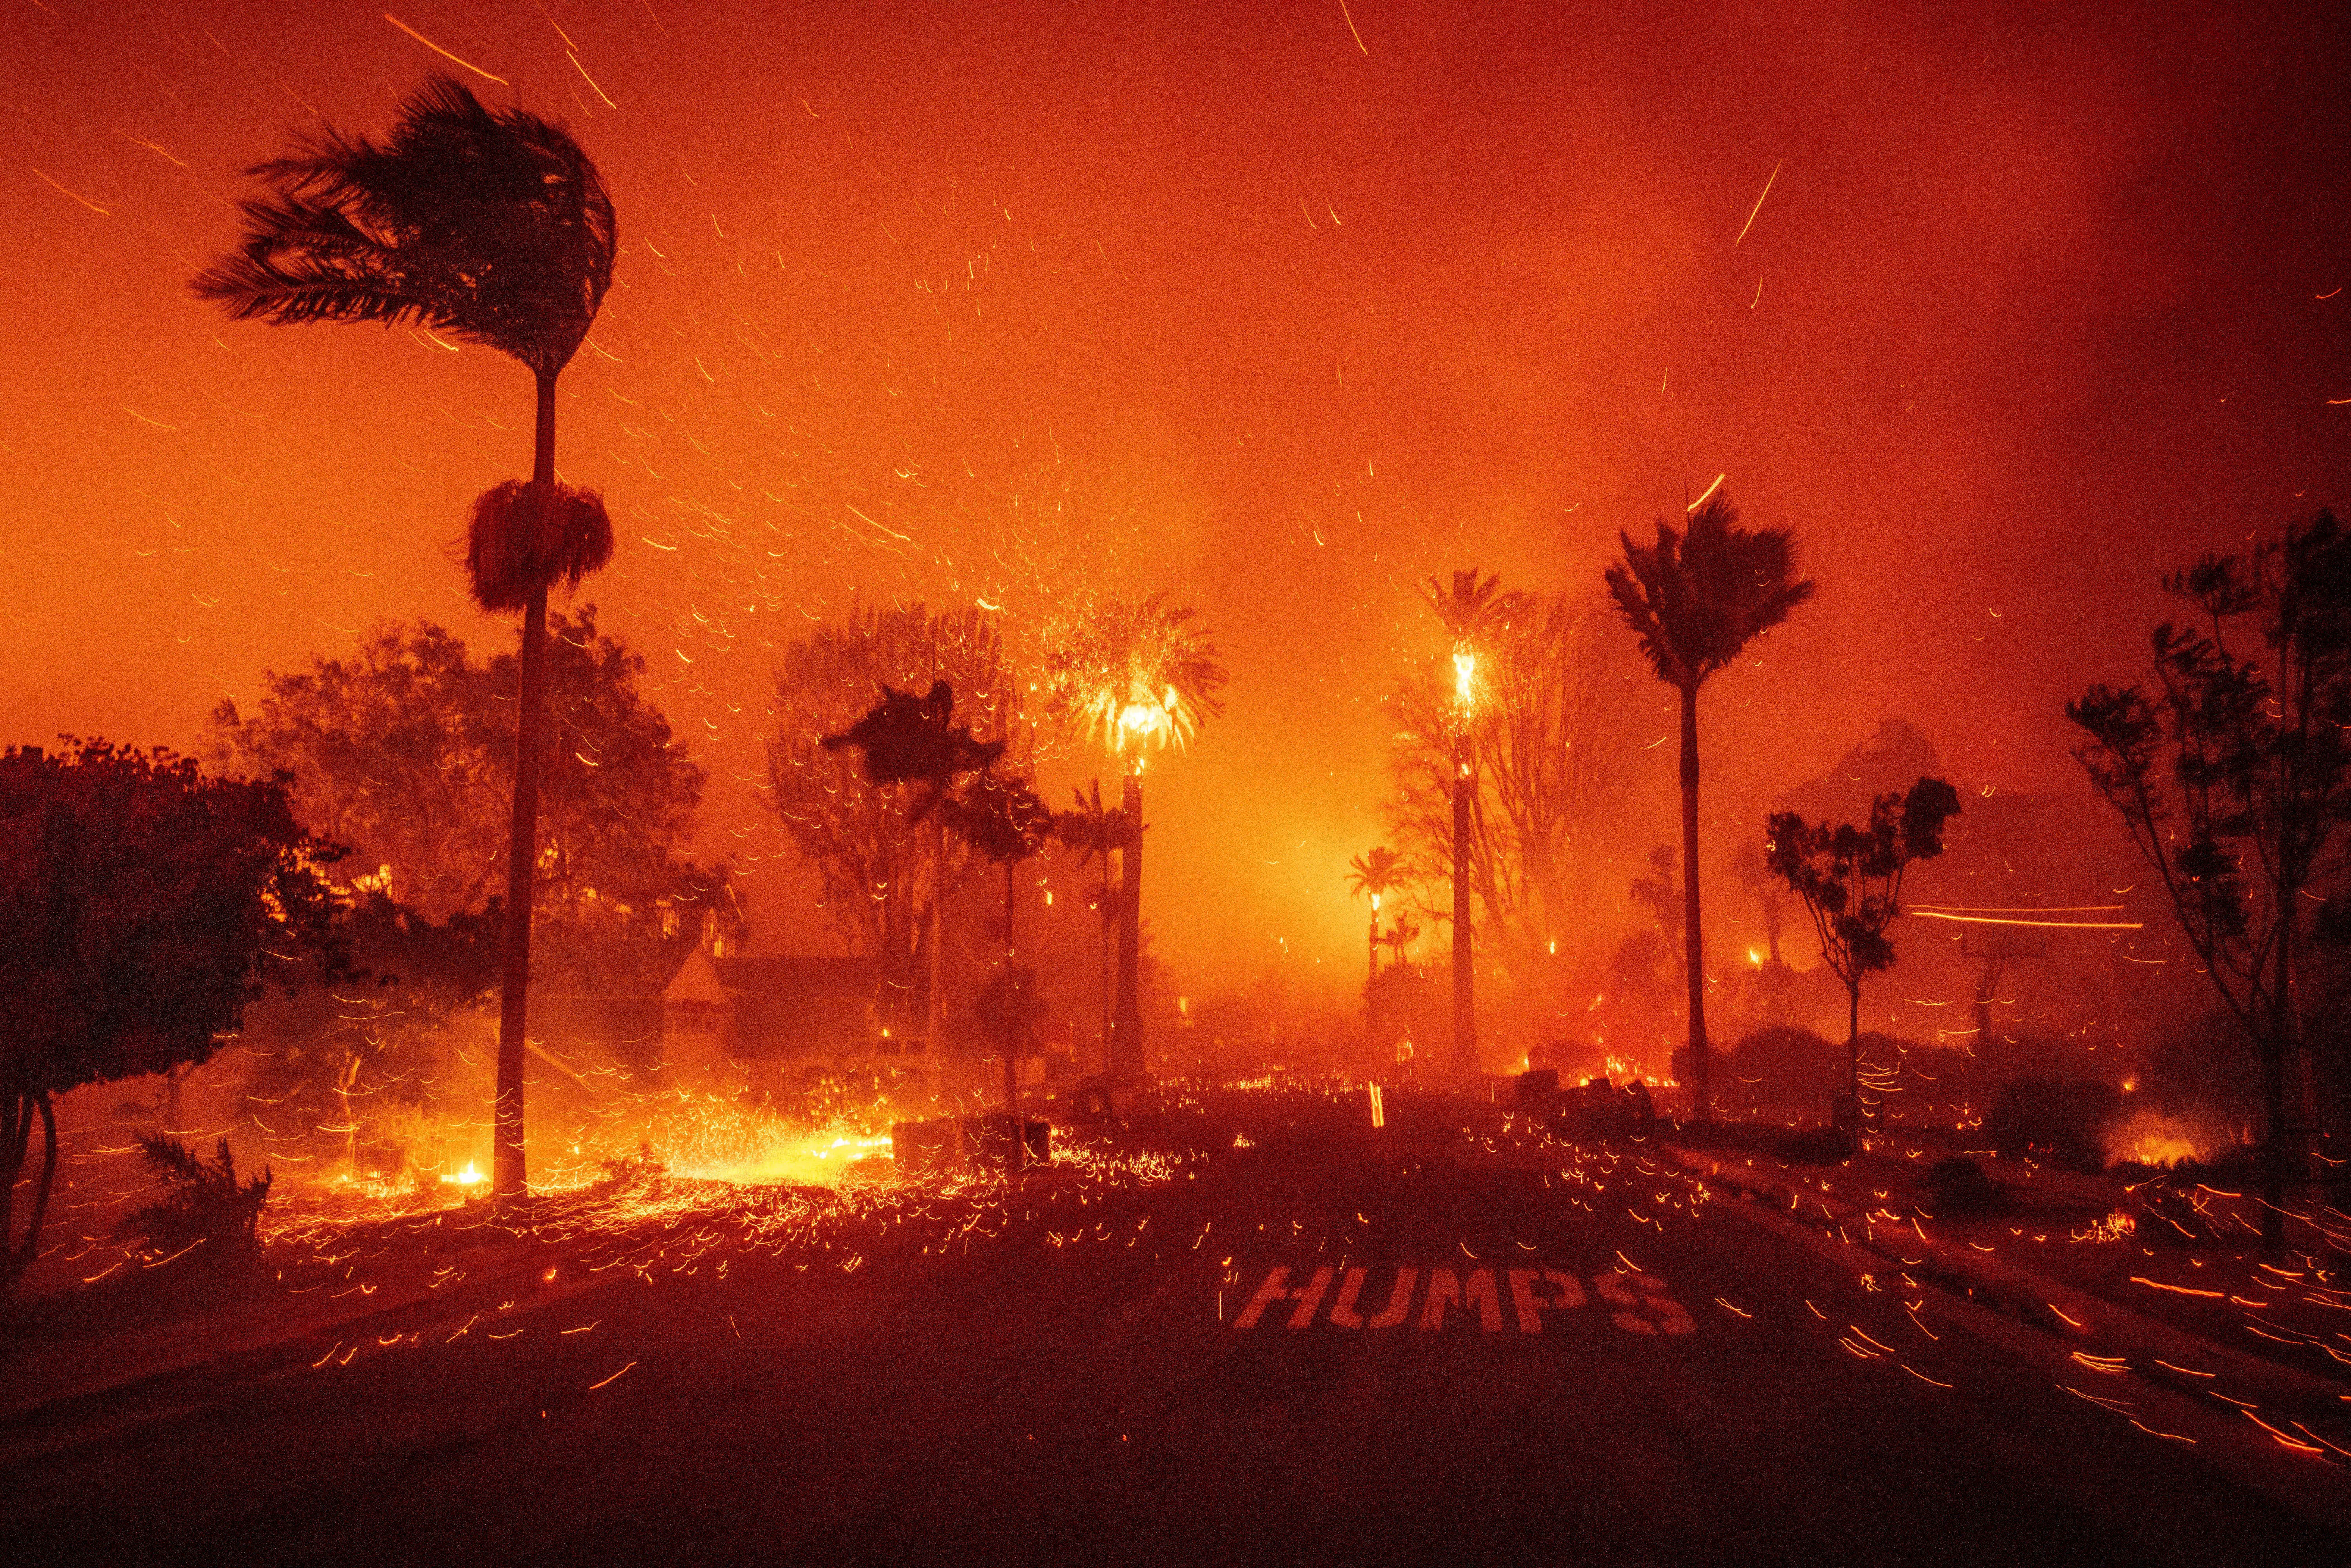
point(1958, 1186)
point(2065, 1121)
point(1785, 1065)
point(202, 1201)
point(1816, 1146)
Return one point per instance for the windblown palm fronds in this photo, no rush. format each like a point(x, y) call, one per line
point(489, 225)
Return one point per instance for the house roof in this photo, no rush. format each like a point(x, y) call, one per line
point(794, 977)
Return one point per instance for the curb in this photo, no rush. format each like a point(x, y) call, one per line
point(2157, 1352)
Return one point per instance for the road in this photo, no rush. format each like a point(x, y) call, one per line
point(1693, 1384)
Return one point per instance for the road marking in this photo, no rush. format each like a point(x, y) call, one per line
point(1639, 1303)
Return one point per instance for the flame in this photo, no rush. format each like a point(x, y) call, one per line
point(470, 1177)
point(1465, 674)
point(2152, 1139)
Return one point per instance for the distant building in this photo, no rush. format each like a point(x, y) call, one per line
point(778, 1025)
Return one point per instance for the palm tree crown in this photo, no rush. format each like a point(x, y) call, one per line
point(1695, 599)
point(1375, 873)
point(489, 225)
point(1132, 669)
point(1471, 608)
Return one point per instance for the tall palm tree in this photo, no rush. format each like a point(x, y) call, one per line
point(908, 739)
point(1373, 875)
point(1001, 817)
point(1472, 611)
point(1136, 675)
point(1695, 599)
point(494, 227)
point(1095, 832)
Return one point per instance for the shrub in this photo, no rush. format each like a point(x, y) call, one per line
point(1816, 1146)
point(1787, 1065)
point(2065, 1121)
point(1958, 1186)
point(203, 1200)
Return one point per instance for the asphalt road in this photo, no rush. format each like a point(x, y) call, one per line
point(1691, 1386)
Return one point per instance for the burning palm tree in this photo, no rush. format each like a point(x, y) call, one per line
point(1695, 599)
point(495, 227)
point(1374, 874)
point(1472, 611)
point(1134, 675)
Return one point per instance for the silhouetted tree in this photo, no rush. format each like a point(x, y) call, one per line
point(880, 883)
point(145, 906)
point(1657, 893)
point(909, 740)
point(1096, 831)
point(1374, 874)
point(404, 750)
point(1550, 748)
point(375, 1036)
point(1001, 818)
point(1770, 898)
point(492, 226)
point(1474, 612)
point(1695, 598)
point(1850, 879)
point(2234, 778)
point(1130, 675)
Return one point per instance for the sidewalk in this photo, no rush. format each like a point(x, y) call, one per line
point(2167, 1332)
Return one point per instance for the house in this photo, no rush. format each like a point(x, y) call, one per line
point(776, 1026)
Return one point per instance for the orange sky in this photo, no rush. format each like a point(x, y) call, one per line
point(1220, 298)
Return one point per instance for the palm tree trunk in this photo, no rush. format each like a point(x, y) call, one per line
point(1465, 1001)
point(1127, 1026)
point(934, 1005)
point(1693, 934)
point(509, 1179)
point(1019, 1149)
point(1104, 912)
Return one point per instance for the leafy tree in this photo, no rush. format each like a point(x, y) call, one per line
point(1133, 675)
point(879, 881)
point(147, 906)
point(2234, 779)
point(1850, 879)
point(494, 227)
point(1695, 599)
point(1656, 893)
point(404, 750)
point(373, 1038)
point(1550, 742)
point(1770, 898)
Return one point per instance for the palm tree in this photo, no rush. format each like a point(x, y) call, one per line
point(1374, 873)
point(1695, 599)
point(908, 739)
point(1133, 674)
point(1095, 830)
point(1003, 820)
point(1472, 611)
point(493, 226)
